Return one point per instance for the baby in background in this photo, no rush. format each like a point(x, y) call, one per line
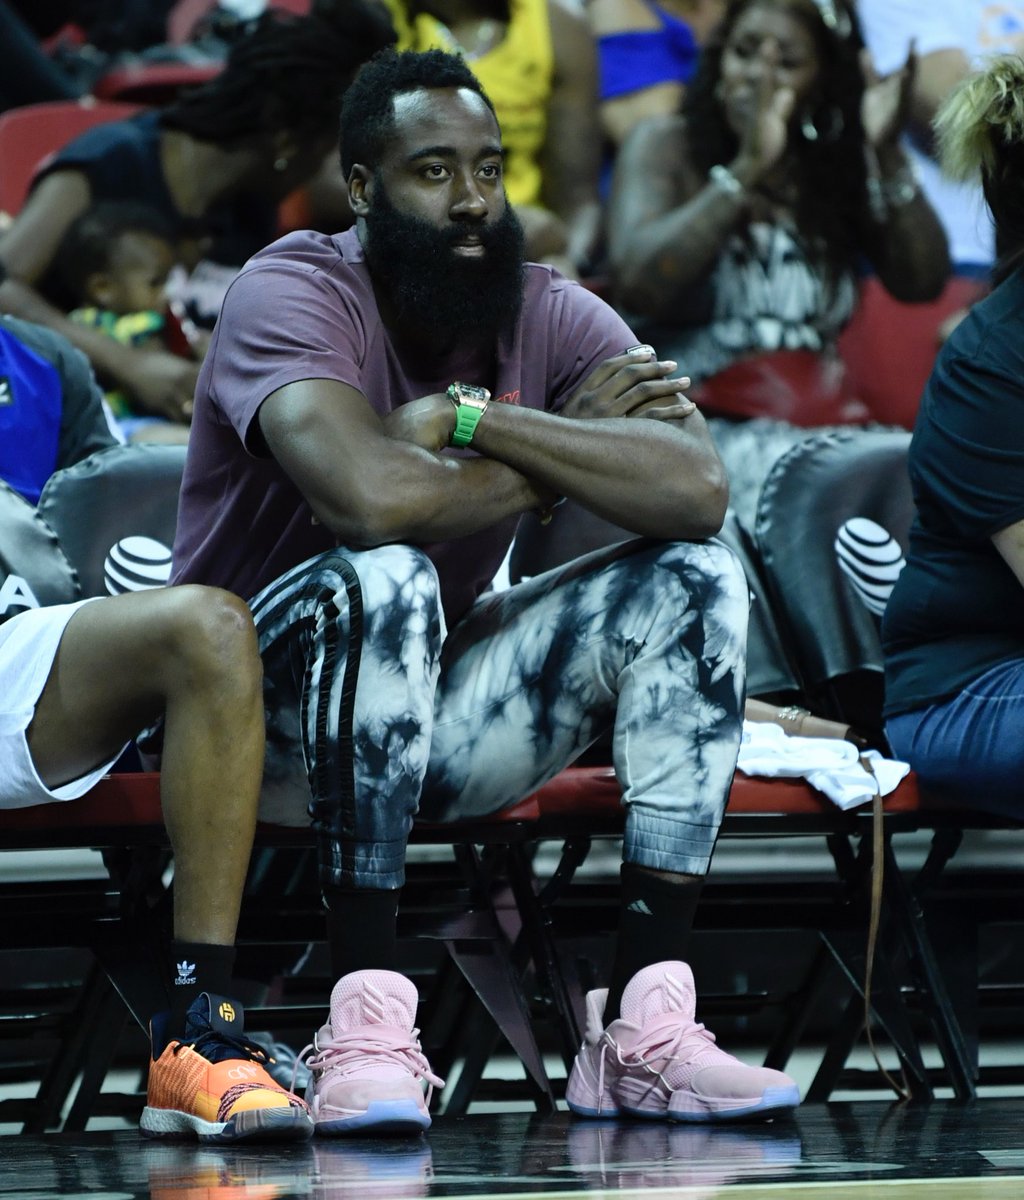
point(114, 263)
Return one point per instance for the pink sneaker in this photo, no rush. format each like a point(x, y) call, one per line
point(656, 1061)
point(366, 1065)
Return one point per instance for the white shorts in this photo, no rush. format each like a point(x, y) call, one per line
point(28, 646)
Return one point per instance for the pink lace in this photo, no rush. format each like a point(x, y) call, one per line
point(349, 1052)
point(665, 1037)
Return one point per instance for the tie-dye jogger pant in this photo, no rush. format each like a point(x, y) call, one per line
point(374, 712)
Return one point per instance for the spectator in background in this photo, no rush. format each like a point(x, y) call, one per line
point(736, 228)
point(950, 39)
point(536, 59)
point(216, 163)
point(953, 629)
point(115, 261)
point(52, 414)
point(647, 54)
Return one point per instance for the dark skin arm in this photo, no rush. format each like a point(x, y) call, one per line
point(159, 382)
point(668, 224)
point(571, 158)
point(907, 245)
point(372, 481)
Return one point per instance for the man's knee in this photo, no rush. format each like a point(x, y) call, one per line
point(709, 570)
point(400, 594)
point(207, 635)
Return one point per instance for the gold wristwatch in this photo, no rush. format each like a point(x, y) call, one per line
point(470, 404)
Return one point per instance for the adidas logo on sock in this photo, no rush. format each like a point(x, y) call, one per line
point(185, 976)
point(640, 906)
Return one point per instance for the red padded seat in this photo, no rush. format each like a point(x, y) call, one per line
point(125, 800)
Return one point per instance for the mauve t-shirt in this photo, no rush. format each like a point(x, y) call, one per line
point(304, 308)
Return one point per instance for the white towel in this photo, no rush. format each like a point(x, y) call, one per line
point(831, 765)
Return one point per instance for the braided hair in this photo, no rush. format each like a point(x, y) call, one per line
point(979, 131)
point(285, 73)
point(831, 171)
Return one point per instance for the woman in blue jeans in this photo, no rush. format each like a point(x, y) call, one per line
point(954, 627)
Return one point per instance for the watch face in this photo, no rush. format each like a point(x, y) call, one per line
point(469, 393)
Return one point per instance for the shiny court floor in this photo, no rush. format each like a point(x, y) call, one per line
point(842, 1151)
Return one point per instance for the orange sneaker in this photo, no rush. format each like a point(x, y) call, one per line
point(212, 1084)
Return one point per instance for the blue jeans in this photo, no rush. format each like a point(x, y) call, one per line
point(375, 712)
point(970, 748)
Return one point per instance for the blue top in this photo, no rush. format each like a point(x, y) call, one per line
point(636, 59)
point(51, 411)
point(956, 609)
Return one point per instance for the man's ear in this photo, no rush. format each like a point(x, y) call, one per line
point(360, 189)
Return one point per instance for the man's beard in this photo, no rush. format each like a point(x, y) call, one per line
point(439, 294)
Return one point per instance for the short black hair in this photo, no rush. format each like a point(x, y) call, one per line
point(91, 239)
point(286, 72)
point(368, 109)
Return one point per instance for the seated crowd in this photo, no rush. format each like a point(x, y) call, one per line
point(372, 402)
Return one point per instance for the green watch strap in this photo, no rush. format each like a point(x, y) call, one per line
point(467, 417)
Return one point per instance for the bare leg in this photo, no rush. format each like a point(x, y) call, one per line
point(188, 653)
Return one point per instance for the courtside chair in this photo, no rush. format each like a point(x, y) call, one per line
point(114, 515)
point(31, 133)
point(757, 809)
point(34, 570)
point(832, 528)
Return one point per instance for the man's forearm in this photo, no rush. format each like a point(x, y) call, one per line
point(440, 497)
point(646, 475)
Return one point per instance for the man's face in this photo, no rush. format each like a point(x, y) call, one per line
point(440, 237)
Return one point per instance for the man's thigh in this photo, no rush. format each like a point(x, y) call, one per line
point(529, 679)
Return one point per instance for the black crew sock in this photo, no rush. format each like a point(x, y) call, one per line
point(655, 918)
point(361, 929)
point(196, 967)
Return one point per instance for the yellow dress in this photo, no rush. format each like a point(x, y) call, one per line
point(516, 74)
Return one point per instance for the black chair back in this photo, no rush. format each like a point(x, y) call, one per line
point(832, 527)
point(34, 571)
point(114, 514)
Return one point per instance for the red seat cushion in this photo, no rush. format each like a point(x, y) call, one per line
point(134, 799)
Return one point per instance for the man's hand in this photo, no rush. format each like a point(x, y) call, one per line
point(632, 384)
point(427, 422)
point(162, 384)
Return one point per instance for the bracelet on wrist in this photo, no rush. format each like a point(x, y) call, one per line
point(794, 713)
point(724, 179)
point(888, 193)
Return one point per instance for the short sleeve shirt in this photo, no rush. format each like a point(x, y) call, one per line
point(957, 608)
point(304, 308)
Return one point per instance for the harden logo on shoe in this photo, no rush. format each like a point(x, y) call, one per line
point(244, 1072)
point(185, 976)
point(226, 1012)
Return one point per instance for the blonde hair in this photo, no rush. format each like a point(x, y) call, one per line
point(982, 119)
